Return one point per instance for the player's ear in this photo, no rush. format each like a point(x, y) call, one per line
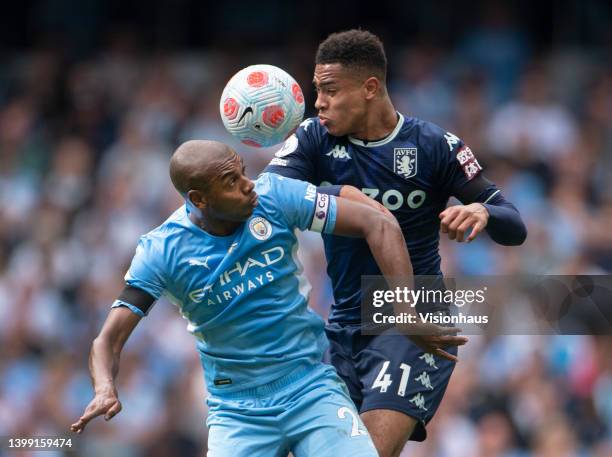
point(370, 87)
point(197, 198)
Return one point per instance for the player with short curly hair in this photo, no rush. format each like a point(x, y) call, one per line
point(407, 166)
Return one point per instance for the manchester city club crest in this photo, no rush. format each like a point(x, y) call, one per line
point(260, 228)
point(405, 162)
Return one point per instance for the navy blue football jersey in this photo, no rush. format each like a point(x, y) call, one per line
point(413, 172)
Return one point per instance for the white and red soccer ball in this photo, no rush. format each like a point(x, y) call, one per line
point(262, 105)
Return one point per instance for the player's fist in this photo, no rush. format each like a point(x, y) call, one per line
point(457, 220)
point(105, 402)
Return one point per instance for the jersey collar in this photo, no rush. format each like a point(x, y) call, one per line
point(385, 140)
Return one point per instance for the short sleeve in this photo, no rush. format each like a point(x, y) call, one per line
point(146, 271)
point(302, 206)
point(457, 164)
point(296, 158)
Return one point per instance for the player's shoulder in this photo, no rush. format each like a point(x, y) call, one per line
point(426, 131)
point(432, 137)
point(167, 232)
point(314, 132)
point(270, 185)
point(312, 126)
point(279, 194)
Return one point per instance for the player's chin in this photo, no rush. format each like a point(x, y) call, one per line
point(248, 212)
point(335, 130)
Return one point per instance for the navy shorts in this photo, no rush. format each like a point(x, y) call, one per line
point(389, 371)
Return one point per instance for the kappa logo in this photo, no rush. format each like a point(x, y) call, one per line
point(405, 162)
point(339, 152)
point(419, 401)
point(260, 228)
point(200, 263)
point(424, 379)
point(429, 360)
point(306, 124)
point(451, 140)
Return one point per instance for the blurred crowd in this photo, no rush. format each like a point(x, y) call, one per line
point(84, 149)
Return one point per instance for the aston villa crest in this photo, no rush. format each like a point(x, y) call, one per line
point(405, 162)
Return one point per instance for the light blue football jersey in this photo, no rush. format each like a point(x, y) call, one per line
point(244, 295)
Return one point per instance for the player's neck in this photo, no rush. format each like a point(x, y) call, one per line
point(213, 226)
point(380, 122)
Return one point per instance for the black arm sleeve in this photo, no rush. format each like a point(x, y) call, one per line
point(505, 225)
point(136, 297)
point(330, 190)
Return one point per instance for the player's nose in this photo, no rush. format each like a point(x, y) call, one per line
point(249, 186)
point(320, 102)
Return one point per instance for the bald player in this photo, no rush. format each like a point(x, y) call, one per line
point(227, 260)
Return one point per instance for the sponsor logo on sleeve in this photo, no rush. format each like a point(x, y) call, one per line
point(311, 193)
point(319, 217)
point(468, 162)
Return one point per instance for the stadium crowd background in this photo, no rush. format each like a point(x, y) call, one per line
point(92, 105)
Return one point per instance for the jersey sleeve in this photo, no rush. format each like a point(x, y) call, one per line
point(457, 165)
point(302, 206)
point(146, 273)
point(296, 158)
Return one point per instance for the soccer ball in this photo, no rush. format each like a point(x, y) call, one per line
point(262, 105)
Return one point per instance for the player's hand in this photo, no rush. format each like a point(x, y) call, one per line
point(354, 194)
point(456, 220)
point(434, 338)
point(106, 402)
point(436, 344)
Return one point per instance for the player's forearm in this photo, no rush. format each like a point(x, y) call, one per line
point(354, 194)
point(387, 244)
point(103, 364)
point(505, 225)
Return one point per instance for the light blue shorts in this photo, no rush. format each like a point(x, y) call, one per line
point(307, 413)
